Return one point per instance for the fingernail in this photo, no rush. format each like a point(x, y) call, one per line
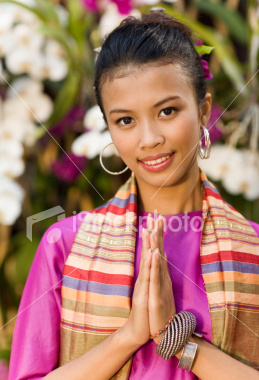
point(157, 250)
point(148, 221)
point(161, 224)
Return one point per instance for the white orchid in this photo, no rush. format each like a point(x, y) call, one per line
point(49, 67)
point(22, 60)
point(94, 119)
point(28, 101)
point(110, 150)
point(219, 163)
point(39, 108)
point(63, 14)
point(17, 13)
point(6, 19)
point(11, 197)
point(150, 2)
point(87, 145)
point(12, 188)
point(90, 144)
point(138, 3)
point(24, 86)
point(25, 37)
point(25, 103)
point(244, 176)
point(237, 169)
point(16, 128)
point(26, 50)
point(5, 43)
point(10, 166)
point(112, 18)
point(11, 147)
point(53, 48)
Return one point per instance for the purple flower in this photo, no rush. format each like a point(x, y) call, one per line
point(214, 124)
point(206, 70)
point(70, 121)
point(124, 6)
point(68, 168)
point(205, 65)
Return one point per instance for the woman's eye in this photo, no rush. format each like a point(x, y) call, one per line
point(167, 111)
point(125, 121)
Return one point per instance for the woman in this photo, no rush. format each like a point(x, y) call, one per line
point(107, 285)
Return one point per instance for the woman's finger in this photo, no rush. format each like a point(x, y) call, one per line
point(150, 223)
point(154, 287)
point(160, 237)
point(145, 247)
point(160, 234)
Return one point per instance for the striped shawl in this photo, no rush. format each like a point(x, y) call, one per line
point(97, 282)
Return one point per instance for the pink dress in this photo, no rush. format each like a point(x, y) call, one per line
point(35, 345)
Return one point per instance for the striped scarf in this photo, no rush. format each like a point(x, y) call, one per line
point(98, 275)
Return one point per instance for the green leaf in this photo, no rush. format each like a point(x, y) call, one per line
point(57, 33)
point(5, 355)
point(74, 9)
point(203, 49)
point(48, 8)
point(64, 101)
point(36, 11)
point(234, 21)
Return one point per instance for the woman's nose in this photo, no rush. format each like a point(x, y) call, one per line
point(150, 135)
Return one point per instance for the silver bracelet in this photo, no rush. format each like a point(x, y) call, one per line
point(187, 356)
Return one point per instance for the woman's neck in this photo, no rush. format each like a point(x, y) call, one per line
point(184, 196)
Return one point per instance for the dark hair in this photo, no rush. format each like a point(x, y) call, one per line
point(156, 38)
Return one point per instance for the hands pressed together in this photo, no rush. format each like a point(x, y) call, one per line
point(153, 300)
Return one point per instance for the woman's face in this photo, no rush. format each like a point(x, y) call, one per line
point(154, 123)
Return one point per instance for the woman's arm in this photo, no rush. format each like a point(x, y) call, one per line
point(211, 363)
point(101, 362)
point(107, 357)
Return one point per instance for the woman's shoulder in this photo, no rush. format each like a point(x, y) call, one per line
point(57, 240)
point(64, 229)
point(255, 226)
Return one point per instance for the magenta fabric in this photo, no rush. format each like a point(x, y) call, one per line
point(182, 245)
point(35, 345)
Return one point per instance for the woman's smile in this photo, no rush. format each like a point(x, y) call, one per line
point(157, 163)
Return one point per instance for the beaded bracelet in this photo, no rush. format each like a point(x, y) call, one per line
point(163, 329)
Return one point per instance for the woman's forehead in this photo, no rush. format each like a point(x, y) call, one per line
point(147, 84)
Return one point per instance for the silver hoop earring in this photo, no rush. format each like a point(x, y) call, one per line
point(108, 171)
point(205, 152)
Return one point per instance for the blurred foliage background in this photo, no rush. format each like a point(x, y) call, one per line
point(51, 133)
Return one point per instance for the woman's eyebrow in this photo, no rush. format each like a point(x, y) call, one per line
point(166, 100)
point(119, 110)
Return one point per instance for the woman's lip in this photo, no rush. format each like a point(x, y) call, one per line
point(153, 158)
point(158, 167)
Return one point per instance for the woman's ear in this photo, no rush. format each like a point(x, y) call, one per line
point(205, 109)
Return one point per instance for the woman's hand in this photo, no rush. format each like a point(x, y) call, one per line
point(161, 303)
point(138, 322)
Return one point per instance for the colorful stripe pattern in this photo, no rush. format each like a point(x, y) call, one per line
point(98, 275)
